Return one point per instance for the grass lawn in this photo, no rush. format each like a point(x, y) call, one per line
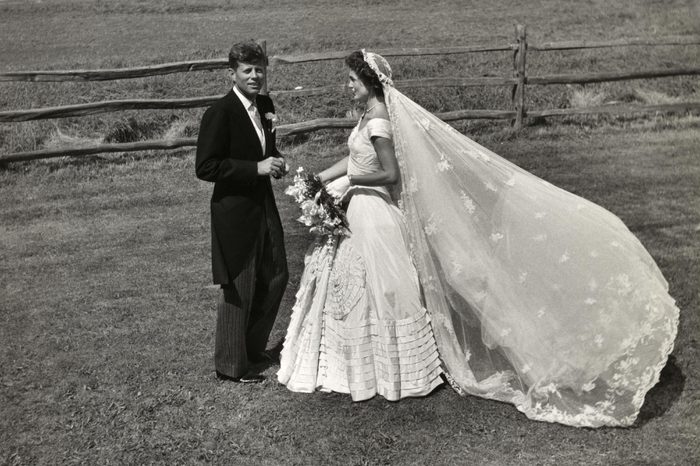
point(106, 310)
point(107, 320)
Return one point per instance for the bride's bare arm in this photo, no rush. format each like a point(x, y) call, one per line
point(335, 171)
point(388, 174)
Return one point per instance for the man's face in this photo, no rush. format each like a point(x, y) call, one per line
point(248, 77)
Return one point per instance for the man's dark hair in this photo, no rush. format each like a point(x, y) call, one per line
point(246, 52)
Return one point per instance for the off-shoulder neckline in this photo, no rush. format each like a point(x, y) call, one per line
point(370, 119)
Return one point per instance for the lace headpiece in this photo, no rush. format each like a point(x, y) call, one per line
point(379, 65)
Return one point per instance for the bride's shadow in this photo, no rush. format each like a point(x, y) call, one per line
point(664, 394)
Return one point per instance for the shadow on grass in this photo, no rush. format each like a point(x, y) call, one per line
point(664, 394)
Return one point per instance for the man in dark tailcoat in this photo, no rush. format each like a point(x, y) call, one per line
point(236, 151)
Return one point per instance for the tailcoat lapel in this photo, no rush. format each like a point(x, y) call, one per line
point(250, 131)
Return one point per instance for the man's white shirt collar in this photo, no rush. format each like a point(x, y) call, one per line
point(247, 103)
point(244, 100)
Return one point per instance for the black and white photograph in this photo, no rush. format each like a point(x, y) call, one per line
point(319, 232)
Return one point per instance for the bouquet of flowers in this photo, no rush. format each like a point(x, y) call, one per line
point(319, 210)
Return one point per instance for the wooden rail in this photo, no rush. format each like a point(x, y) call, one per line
point(116, 73)
point(617, 109)
point(93, 108)
point(518, 81)
point(634, 41)
point(345, 123)
point(585, 78)
point(219, 63)
point(222, 63)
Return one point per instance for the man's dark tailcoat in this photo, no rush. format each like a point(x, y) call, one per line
point(247, 242)
point(228, 150)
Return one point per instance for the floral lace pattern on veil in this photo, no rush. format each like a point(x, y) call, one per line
point(537, 297)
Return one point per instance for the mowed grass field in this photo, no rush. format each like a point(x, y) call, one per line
point(106, 309)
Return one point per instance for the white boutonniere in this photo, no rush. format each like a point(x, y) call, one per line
point(272, 120)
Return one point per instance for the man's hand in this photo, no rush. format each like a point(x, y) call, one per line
point(275, 166)
point(285, 170)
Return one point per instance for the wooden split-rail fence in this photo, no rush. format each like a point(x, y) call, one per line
point(518, 83)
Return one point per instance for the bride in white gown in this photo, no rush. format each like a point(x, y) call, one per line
point(534, 296)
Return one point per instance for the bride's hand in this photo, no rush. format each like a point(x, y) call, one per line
point(338, 187)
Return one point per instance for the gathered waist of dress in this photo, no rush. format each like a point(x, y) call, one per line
point(360, 164)
point(358, 188)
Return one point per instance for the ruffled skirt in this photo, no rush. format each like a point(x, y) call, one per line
point(359, 325)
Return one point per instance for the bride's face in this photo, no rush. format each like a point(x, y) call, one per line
point(359, 92)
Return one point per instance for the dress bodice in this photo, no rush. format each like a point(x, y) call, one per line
point(363, 158)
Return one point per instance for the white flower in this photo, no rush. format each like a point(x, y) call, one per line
point(412, 185)
point(467, 202)
point(271, 117)
point(496, 237)
point(444, 165)
point(483, 157)
point(628, 343)
point(587, 387)
point(431, 226)
point(624, 286)
point(604, 405)
point(589, 410)
point(431, 283)
point(564, 257)
point(626, 364)
point(550, 388)
point(599, 340)
point(525, 369)
point(457, 267)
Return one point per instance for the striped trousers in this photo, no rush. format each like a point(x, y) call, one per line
point(248, 306)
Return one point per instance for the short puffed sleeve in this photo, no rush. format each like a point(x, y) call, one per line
point(379, 127)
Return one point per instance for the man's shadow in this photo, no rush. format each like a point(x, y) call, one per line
point(664, 394)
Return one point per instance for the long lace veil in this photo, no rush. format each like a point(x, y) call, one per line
point(537, 297)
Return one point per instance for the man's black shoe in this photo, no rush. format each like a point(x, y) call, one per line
point(247, 378)
point(264, 357)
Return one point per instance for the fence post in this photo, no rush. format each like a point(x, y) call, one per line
point(519, 61)
point(263, 45)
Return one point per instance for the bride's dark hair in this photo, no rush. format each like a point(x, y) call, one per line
point(355, 61)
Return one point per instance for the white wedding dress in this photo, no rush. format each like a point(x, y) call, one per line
point(359, 325)
point(535, 296)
